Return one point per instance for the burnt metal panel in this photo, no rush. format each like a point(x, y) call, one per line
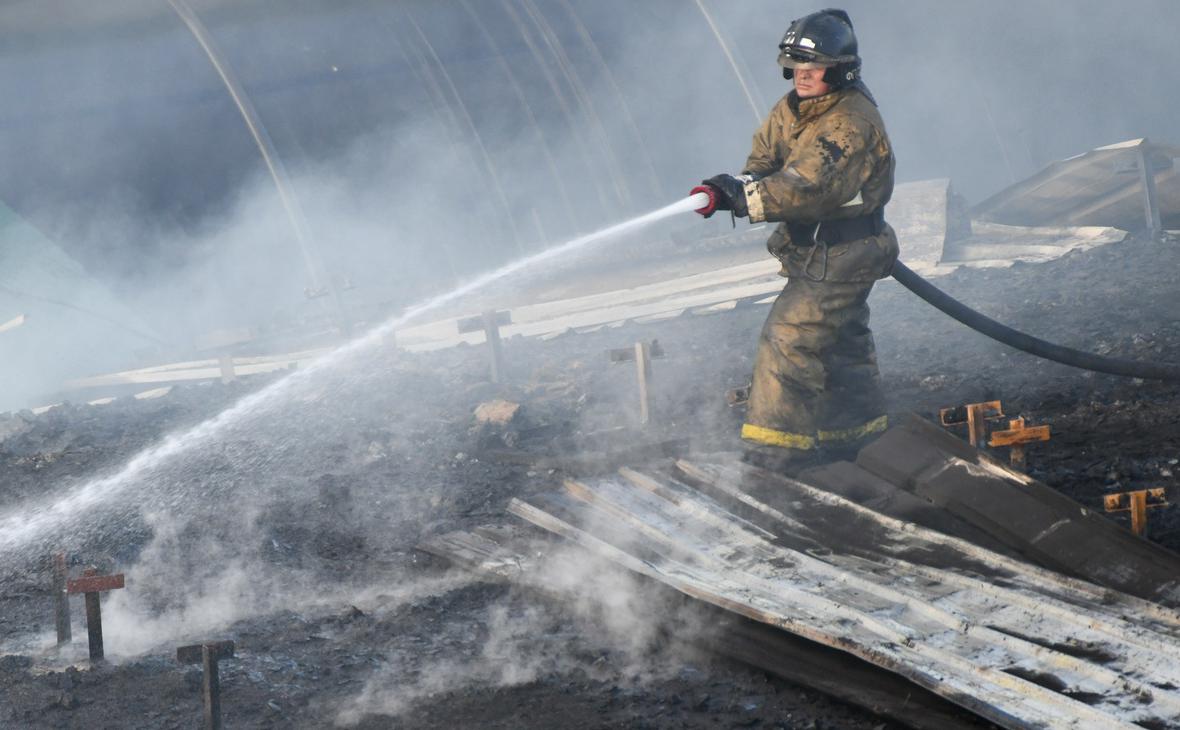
point(1103, 187)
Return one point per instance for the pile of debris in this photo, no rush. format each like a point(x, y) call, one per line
point(926, 558)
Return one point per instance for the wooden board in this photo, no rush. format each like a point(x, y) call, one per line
point(503, 553)
point(961, 637)
point(868, 490)
point(1027, 516)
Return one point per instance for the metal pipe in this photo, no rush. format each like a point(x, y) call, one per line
point(559, 97)
point(490, 166)
point(755, 103)
point(622, 189)
point(546, 150)
point(274, 165)
point(599, 60)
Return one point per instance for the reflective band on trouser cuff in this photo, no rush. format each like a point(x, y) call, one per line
point(877, 425)
point(770, 437)
point(754, 206)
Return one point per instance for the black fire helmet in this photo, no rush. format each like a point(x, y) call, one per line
point(824, 39)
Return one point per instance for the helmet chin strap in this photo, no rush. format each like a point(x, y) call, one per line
point(837, 77)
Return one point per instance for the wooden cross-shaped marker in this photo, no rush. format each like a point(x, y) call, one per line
point(208, 655)
point(92, 584)
point(1137, 503)
point(1018, 436)
point(641, 355)
point(976, 416)
point(490, 322)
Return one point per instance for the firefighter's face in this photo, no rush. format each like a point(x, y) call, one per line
point(809, 82)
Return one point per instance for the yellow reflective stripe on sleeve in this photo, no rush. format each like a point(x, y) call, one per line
point(770, 437)
point(877, 425)
point(754, 206)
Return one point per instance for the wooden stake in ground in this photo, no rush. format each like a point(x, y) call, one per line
point(222, 344)
point(208, 655)
point(61, 599)
point(490, 323)
point(1137, 503)
point(1018, 436)
point(91, 584)
point(641, 354)
point(976, 416)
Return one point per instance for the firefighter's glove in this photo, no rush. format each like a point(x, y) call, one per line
point(729, 193)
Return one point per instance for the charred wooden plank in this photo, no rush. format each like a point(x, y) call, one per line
point(95, 583)
point(868, 490)
point(1026, 515)
point(892, 538)
point(918, 621)
point(485, 551)
point(1010, 701)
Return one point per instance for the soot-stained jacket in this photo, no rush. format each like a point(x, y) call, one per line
point(819, 159)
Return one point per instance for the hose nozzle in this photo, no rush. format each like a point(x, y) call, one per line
point(706, 197)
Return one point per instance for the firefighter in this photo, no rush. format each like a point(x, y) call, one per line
point(822, 168)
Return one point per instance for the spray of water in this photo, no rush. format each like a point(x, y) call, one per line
point(38, 523)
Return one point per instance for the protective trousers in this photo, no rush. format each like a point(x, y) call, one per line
point(816, 380)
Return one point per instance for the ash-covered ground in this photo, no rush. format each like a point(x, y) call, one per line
point(290, 527)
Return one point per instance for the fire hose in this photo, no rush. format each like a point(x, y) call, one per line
point(707, 196)
point(989, 327)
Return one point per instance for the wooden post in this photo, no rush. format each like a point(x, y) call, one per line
point(208, 655)
point(491, 328)
point(975, 416)
point(225, 361)
point(1150, 197)
point(92, 584)
point(211, 688)
point(643, 371)
point(61, 599)
point(642, 353)
point(1137, 503)
point(975, 426)
point(1139, 512)
point(1017, 457)
point(490, 323)
point(93, 620)
point(1017, 437)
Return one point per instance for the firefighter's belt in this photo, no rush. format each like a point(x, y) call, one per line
point(837, 231)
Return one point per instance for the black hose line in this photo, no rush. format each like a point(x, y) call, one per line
point(1021, 341)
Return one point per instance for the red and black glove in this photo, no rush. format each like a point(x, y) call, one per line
point(725, 192)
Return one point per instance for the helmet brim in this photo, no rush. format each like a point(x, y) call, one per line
point(792, 58)
point(793, 63)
